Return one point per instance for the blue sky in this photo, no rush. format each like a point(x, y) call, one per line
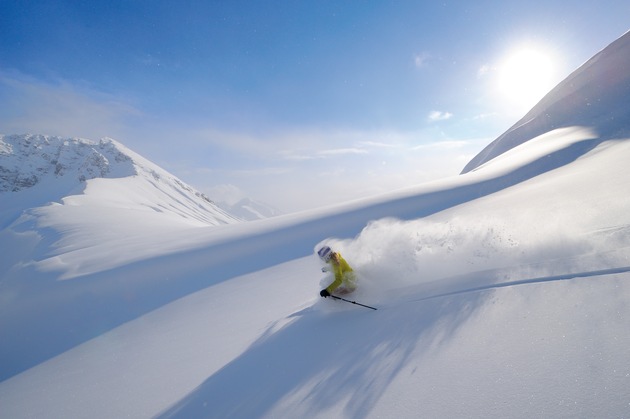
point(296, 103)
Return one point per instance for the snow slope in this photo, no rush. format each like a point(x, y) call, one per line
point(595, 94)
point(93, 195)
point(503, 292)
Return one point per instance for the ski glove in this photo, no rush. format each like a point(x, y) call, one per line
point(324, 293)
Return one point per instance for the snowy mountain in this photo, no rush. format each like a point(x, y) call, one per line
point(28, 160)
point(502, 292)
point(63, 166)
point(596, 94)
point(250, 209)
point(76, 187)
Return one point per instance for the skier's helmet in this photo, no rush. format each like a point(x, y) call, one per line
point(325, 253)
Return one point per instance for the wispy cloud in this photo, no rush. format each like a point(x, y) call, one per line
point(378, 144)
point(420, 60)
point(484, 70)
point(60, 108)
point(443, 145)
point(484, 116)
point(342, 151)
point(226, 192)
point(439, 116)
point(297, 155)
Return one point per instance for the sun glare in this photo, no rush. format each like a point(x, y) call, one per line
point(525, 76)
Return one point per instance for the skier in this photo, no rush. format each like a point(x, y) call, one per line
point(345, 278)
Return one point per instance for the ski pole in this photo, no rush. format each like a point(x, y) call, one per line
point(352, 302)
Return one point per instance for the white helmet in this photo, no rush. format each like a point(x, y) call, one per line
point(325, 253)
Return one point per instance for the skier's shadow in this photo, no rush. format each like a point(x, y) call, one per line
point(322, 359)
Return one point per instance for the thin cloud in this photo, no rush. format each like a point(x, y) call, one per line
point(342, 151)
point(321, 154)
point(263, 171)
point(484, 116)
point(420, 60)
point(226, 192)
point(439, 116)
point(60, 108)
point(443, 145)
point(377, 144)
point(484, 70)
point(238, 172)
point(297, 157)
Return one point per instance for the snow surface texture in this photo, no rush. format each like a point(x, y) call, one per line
point(503, 292)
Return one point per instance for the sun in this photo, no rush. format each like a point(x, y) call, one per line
point(525, 75)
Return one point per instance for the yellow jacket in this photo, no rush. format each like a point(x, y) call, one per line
point(342, 271)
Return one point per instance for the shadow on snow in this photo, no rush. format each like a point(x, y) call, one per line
point(322, 360)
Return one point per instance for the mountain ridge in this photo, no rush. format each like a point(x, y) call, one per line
point(28, 159)
point(64, 167)
point(596, 93)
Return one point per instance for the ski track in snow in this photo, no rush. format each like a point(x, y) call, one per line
point(319, 360)
point(529, 281)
